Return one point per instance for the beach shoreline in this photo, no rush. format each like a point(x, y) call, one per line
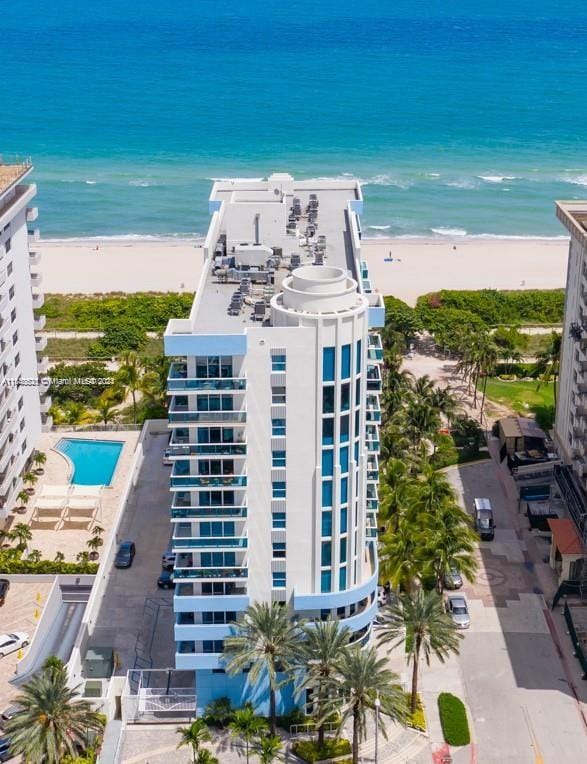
point(403, 267)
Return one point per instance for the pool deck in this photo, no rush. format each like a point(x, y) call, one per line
point(71, 540)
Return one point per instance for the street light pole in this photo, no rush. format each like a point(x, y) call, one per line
point(377, 704)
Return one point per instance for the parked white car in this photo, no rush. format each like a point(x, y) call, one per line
point(457, 608)
point(9, 643)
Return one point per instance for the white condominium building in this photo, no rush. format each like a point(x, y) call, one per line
point(274, 416)
point(571, 411)
point(22, 406)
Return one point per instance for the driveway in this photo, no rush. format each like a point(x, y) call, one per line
point(135, 617)
point(522, 706)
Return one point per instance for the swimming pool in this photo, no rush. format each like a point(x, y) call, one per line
point(93, 461)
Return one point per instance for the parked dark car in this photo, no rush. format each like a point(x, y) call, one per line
point(4, 587)
point(125, 555)
point(165, 580)
point(9, 713)
point(453, 579)
point(5, 753)
point(168, 560)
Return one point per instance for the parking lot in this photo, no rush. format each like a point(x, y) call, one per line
point(522, 706)
point(135, 616)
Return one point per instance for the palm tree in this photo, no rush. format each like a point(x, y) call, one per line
point(451, 543)
point(320, 651)
point(75, 413)
point(433, 489)
point(83, 558)
point(419, 620)
point(34, 555)
point(361, 679)
point(23, 498)
point(269, 749)
point(265, 640)
point(39, 459)
point(22, 534)
point(421, 419)
point(53, 664)
point(59, 557)
point(30, 479)
point(487, 358)
point(106, 409)
point(424, 388)
point(205, 757)
point(548, 362)
point(445, 402)
point(247, 726)
point(129, 377)
point(400, 554)
point(193, 736)
point(53, 722)
point(94, 543)
point(97, 530)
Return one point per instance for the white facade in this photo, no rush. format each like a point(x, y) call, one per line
point(21, 405)
point(274, 415)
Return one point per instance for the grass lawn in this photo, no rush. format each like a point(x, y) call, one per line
point(521, 396)
point(58, 348)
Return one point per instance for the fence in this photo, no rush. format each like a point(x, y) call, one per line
point(582, 658)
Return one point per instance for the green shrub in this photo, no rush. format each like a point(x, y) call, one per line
point(151, 310)
point(11, 563)
point(119, 335)
point(493, 307)
point(416, 720)
point(68, 389)
point(453, 718)
point(295, 716)
point(219, 712)
point(309, 750)
point(517, 370)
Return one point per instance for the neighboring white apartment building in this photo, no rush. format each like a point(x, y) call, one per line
point(274, 416)
point(23, 408)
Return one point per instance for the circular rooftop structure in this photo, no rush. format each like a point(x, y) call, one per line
point(318, 289)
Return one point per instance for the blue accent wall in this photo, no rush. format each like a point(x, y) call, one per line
point(205, 344)
point(239, 690)
point(330, 600)
point(376, 317)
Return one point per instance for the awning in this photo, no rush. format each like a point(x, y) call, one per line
point(565, 536)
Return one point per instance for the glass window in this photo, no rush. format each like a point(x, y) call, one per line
point(327, 523)
point(326, 556)
point(344, 428)
point(343, 550)
point(278, 487)
point(344, 490)
point(278, 519)
point(358, 392)
point(278, 458)
point(357, 451)
point(278, 427)
point(278, 549)
point(327, 432)
point(279, 580)
point(342, 578)
point(327, 400)
point(278, 395)
point(327, 493)
point(327, 462)
point(358, 420)
point(328, 364)
point(325, 581)
point(345, 396)
point(345, 362)
point(343, 520)
point(344, 459)
point(359, 355)
point(278, 362)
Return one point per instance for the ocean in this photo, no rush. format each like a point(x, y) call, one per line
point(461, 118)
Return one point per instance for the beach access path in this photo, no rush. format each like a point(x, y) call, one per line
point(404, 268)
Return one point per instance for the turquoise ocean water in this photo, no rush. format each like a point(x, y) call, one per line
point(458, 116)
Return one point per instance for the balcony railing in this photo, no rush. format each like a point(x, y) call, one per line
point(39, 323)
point(180, 513)
point(195, 481)
point(208, 449)
point(233, 572)
point(207, 416)
point(177, 383)
point(209, 543)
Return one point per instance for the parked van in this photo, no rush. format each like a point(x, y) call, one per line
point(483, 519)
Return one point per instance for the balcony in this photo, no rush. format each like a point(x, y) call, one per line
point(32, 213)
point(40, 344)
point(581, 411)
point(211, 573)
point(226, 384)
point(206, 513)
point(375, 348)
point(34, 257)
point(184, 416)
point(209, 543)
point(34, 235)
point(208, 481)
point(46, 403)
point(207, 449)
point(373, 378)
point(46, 422)
point(3, 275)
point(372, 505)
point(38, 300)
point(372, 468)
point(43, 364)
point(39, 323)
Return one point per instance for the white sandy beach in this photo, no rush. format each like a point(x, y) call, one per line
point(417, 266)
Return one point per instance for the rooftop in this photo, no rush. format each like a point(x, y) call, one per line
point(573, 215)
point(12, 172)
point(259, 233)
point(565, 536)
